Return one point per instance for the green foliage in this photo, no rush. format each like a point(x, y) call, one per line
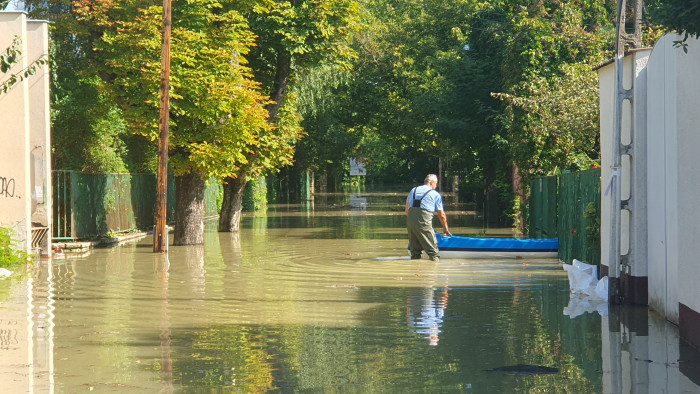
point(682, 16)
point(550, 118)
point(562, 132)
point(89, 130)
point(90, 133)
point(274, 150)
point(541, 55)
point(391, 108)
point(217, 111)
point(312, 32)
point(296, 38)
point(255, 196)
point(9, 256)
point(9, 58)
point(592, 218)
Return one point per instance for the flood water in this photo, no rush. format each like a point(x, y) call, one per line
point(321, 298)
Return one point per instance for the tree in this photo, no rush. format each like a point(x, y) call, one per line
point(394, 107)
point(293, 35)
point(217, 110)
point(89, 130)
point(479, 87)
point(538, 41)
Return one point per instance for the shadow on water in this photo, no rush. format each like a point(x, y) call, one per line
point(310, 307)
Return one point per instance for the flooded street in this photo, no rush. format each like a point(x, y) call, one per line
point(322, 298)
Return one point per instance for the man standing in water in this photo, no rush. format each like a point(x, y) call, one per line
point(422, 202)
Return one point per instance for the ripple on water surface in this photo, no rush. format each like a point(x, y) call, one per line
point(307, 302)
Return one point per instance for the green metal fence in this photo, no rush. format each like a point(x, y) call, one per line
point(543, 207)
point(87, 206)
point(568, 207)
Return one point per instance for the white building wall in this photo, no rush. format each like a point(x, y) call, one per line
point(662, 188)
point(687, 112)
point(15, 193)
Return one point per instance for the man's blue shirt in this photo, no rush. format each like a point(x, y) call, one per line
point(432, 201)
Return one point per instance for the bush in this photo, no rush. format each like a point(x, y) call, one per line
point(9, 256)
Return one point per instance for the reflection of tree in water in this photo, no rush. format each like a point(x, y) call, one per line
point(370, 358)
point(388, 350)
point(536, 342)
point(225, 356)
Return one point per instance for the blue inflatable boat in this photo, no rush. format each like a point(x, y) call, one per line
point(469, 247)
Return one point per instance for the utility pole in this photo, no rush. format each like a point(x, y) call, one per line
point(160, 230)
point(634, 39)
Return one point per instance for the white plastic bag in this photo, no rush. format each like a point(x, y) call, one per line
point(583, 277)
point(580, 304)
point(588, 294)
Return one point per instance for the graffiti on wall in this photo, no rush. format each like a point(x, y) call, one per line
point(7, 187)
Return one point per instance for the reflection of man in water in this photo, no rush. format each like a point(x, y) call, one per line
point(422, 202)
point(425, 314)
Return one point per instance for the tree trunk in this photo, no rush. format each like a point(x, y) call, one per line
point(282, 73)
point(189, 210)
point(230, 218)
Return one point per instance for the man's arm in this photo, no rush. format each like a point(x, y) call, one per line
point(443, 220)
point(406, 208)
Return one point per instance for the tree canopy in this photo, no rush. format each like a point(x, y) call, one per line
point(217, 110)
point(490, 91)
point(494, 92)
point(683, 16)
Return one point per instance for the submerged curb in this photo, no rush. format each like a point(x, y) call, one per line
point(87, 246)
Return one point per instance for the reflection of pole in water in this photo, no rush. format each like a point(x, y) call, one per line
point(163, 267)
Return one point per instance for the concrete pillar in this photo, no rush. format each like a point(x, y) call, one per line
point(15, 186)
point(25, 136)
point(40, 138)
point(631, 280)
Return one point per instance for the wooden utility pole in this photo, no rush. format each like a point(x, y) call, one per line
point(160, 231)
